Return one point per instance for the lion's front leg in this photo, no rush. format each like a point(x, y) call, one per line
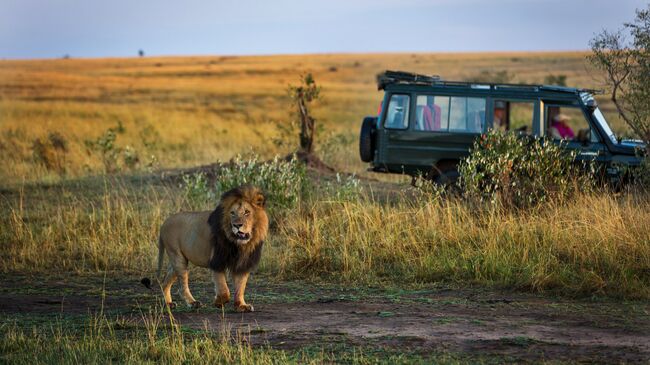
point(240, 288)
point(222, 294)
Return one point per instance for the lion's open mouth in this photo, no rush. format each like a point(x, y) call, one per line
point(242, 236)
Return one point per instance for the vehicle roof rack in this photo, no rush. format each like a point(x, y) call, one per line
point(402, 77)
point(394, 77)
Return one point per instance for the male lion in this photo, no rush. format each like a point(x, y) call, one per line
point(228, 238)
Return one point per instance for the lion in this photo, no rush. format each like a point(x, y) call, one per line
point(229, 238)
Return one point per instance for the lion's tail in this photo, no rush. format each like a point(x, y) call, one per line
point(161, 256)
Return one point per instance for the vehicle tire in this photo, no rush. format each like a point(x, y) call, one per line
point(366, 139)
point(447, 177)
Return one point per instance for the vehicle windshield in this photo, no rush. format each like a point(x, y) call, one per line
point(603, 123)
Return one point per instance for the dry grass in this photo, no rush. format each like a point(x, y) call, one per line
point(592, 245)
point(187, 111)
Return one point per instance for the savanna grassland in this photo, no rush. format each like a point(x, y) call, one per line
point(188, 111)
point(358, 268)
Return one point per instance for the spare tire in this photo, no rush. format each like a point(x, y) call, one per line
point(366, 139)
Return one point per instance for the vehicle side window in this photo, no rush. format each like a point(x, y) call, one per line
point(467, 114)
point(514, 116)
point(397, 116)
point(449, 114)
point(568, 123)
point(476, 114)
point(431, 113)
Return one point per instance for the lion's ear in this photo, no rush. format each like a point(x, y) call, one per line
point(259, 200)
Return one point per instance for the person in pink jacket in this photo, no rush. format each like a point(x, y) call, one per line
point(559, 129)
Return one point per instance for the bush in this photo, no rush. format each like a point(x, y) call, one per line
point(51, 152)
point(490, 76)
point(641, 174)
point(112, 155)
point(344, 188)
point(559, 80)
point(519, 171)
point(197, 191)
point(283, 182)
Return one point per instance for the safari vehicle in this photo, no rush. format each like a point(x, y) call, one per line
point(426, 125)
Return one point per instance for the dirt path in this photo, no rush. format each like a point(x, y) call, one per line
point(290, 316)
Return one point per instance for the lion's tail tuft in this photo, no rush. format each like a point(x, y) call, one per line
point(161, 255)
point(146, 282)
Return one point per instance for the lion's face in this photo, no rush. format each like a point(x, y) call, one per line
point(242, 221)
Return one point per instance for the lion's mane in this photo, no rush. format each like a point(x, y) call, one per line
point(226, 253)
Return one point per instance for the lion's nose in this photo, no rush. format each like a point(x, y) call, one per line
point(237, 225)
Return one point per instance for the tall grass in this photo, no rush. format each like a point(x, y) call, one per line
point(591, 244)
point(79, 230)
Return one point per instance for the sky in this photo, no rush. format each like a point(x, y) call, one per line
point(117, 28)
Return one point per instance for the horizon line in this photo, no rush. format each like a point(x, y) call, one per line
point(71, 57)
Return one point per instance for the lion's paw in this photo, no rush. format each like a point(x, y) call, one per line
point(220, 300)
point(196, 304)
point(171, 305)
point(244, 308)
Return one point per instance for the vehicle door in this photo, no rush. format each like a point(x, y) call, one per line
point(568, 124)
point(393, 135)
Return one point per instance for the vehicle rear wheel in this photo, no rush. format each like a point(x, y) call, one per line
point(366, 140)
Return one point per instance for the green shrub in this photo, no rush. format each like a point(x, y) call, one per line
point(559, 80)
point(113, 156)
point(520, 171)
point(641, 174)
point(491, 76)
point(283, 182)
point(197, 192)
point(344, 188)
point(51, 152)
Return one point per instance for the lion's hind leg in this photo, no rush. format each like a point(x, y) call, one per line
point(189, 299)
point(169, 280)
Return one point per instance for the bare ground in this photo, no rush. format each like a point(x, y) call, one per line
point(295, 315)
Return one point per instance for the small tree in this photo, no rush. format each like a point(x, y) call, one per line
point(302, 95)
point(627, 67)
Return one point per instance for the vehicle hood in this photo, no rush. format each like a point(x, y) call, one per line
point(631, 146)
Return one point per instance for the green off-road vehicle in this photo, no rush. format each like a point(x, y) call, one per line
point(426, 125)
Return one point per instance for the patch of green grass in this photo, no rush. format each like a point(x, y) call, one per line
point(445, 320)
point(97, 339)
point(385, 314)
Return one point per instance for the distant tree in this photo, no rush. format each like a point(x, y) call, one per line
point(141, 53)
point(302, 95)
point(626, 63)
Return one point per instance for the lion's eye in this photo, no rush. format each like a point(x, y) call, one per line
point(248, 212)
point(232, 214)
